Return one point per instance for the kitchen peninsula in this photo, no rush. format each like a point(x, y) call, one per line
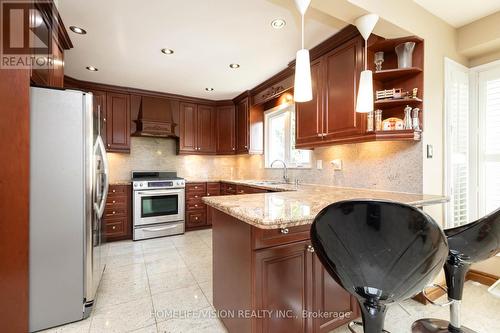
point(263, 260)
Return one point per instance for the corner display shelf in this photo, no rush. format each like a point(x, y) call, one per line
point(393, 77)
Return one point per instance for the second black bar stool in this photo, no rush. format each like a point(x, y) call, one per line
point(381, 252)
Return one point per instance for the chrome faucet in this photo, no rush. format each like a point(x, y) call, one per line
point(285, 170)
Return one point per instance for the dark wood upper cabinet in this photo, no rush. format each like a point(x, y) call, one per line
point(342, 67)
point(187, 128)
point(197, 129)
point(206, 139)
point(226, 130)
point(331, 116)
point(242, 126)
point(117, 122)
point(309, 115)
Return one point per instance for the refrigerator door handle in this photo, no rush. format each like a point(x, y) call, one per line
point(99, 208)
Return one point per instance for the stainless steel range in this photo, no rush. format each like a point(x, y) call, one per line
point(158, 207)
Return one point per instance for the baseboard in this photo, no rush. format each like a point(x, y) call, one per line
point(434, 293)
point(481, 277)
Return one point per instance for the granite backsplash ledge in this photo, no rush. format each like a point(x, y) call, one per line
point(392, 166)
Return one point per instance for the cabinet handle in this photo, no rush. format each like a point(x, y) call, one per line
point(109, 145)
point(114, 212)
point(114, 201)
point(104, 119)
point(196, 187)
point(196, 205)
point(234, 148)
point(196, 218)
point(284, 231)
point(196, 196)
point(208, 194)
point(114, 227)
point(114, 191)
point(246, 147)
point(310, 248)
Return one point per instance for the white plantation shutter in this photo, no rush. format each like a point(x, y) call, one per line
point(489, 141)
point(457, 141)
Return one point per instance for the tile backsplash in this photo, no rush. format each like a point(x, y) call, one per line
point(395, 166)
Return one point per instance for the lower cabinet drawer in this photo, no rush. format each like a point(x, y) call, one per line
point(194, 205)
point(196, 218)
point(116, 228)
point(115, 211)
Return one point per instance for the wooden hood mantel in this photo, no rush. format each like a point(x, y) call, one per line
point(155, 118)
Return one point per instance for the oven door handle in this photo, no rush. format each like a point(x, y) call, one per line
point(155, 193)
point(160, 228)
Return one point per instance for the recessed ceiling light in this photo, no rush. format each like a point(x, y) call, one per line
point(92, 68)
point(209, 89)
point(234, 66)
point(77, 30)
point(167, 51)
point(278, 23)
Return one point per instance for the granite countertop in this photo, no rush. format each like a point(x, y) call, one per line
point(299, 205)
point(121, 182)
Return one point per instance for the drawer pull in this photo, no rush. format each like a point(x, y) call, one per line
point(208, 194)
point(196, 205)
point(114, 212)
point(196, 187)
point(310, 248)
point(114, 191)
point(114, 201)
point(284, 231)
point(196, 218)
point(114, 227)
point(196, 196)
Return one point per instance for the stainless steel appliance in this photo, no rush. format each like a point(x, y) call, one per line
point(68, 189)
point(158, 204)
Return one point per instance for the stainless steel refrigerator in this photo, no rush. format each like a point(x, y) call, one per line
point(68, 190)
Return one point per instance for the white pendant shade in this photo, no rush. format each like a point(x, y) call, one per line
point(303, 85)
point(365, 24)
point(302, 5)
point(364, 102)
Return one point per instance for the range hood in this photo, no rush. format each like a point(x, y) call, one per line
point(155, 118)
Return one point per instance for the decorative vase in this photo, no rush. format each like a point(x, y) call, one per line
point(404, 52)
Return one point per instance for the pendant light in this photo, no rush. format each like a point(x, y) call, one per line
point(364, 101)
point(303, 84)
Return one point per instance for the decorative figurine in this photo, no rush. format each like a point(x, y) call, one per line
point(379, 59)
point(378, 120)
point(415, 120)
point(414, 93)
point(408, 123)
point(369, 121)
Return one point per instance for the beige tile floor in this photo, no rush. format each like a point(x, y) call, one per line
point(175, 273)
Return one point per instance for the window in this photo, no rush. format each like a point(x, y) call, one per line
point(472, 141)
point(457, 136)
point(488, 152)
point(280, 139)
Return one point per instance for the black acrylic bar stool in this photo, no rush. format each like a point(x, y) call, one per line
point(471, 243)
point(380, 252)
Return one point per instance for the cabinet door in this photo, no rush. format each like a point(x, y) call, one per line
point(342, 68)
point(242, 124)
point(226, 128)
point(99, 107)
point(278, 291)
point(330, 297)
point(309, 115)
point(205, 132)
point(187, 128)
point(57, 67)
point(118, 122)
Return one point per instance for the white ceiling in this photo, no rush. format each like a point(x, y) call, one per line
point(460, 12)
point(124, 38)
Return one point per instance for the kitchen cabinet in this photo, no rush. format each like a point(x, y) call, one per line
point(242, 126)
point(117, 213)
point(330, 117)
point(213, 189)
point(197, 124)
point(117, 122)
point(226, 130)
point(196, 210)
point(277, 291)
point(274, 270)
